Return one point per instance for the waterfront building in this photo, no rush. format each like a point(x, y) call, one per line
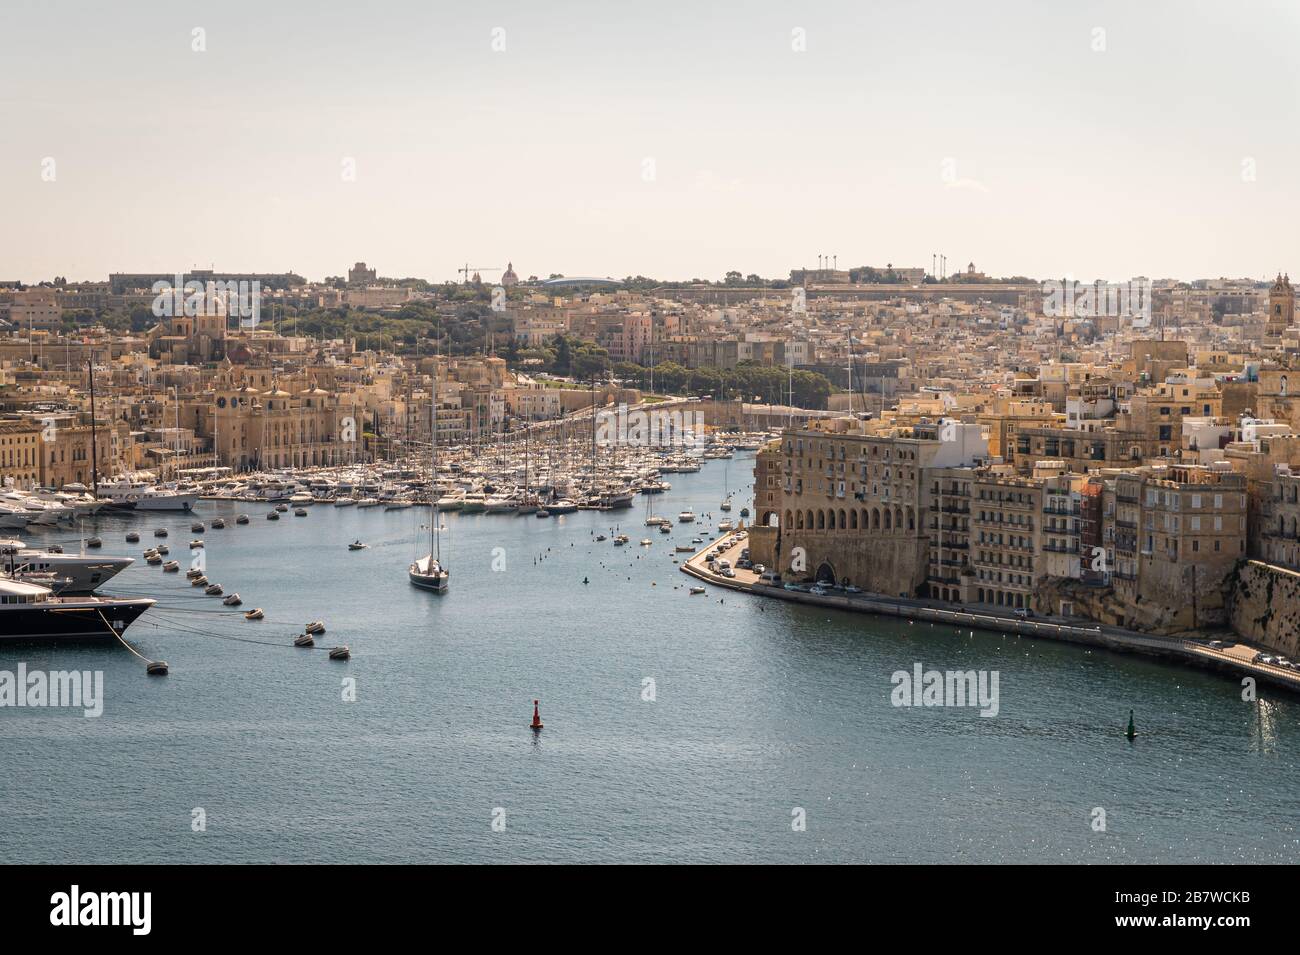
point(1175, 533)
point(20, 453)
point(853, 500)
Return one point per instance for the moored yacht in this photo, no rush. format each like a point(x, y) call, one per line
point(427, 572)
point(141, 496)
point(79, 573)
point(30, 611)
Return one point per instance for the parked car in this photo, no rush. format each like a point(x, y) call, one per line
point(817, 589)
point(1024, 613)
point(761, 570)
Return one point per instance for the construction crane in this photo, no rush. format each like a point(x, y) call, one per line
point(468, 270)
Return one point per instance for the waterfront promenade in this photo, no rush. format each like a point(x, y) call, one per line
point(1235, 656)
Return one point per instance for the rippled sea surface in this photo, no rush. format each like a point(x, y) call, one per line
point(759, 709)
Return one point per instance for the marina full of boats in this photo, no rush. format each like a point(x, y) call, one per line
point(47, 593)
point(556, 478)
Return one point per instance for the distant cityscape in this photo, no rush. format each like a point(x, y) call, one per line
point(960, 438)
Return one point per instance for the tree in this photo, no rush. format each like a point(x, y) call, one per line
point(563, 356)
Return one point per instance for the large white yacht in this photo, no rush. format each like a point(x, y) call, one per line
point(31, 611)
point(75, 573)
point(142, 496)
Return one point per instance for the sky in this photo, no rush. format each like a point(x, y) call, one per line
point(670, 139)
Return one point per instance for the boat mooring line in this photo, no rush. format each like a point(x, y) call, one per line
point(231, 636)
point(152, 667)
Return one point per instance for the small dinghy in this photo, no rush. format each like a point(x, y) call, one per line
point(132, 538)
point(199, 581)
point(272, 516)
point(696, 590)
point(195, 544)
point(299, 512)
point(232, 601)
point(600, 538)
point(356, 545)
point(340, 653)
point(213, 590)
point(163, 549)
point(171, 567)
point(254, 614)
point(197, 527)
point(94, 542)
point(646, 542)
point(304, 640)
point(153, 559)
point(282, 507)
point(218, 523)
point(160, 532)
point(315, 627)
point(193, 572)
point(241, 519)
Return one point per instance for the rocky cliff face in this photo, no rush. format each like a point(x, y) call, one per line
point(1266, 606)
point(1170, 615)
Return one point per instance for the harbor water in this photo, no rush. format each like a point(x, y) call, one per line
point(679, 728)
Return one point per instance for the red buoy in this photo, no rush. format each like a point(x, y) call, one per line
point(537, 718)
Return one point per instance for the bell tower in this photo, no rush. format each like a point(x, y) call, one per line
point(1281, 306)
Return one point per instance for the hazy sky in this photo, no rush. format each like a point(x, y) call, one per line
point(671, 139)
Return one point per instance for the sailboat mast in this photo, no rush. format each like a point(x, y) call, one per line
point(94, 447)
point(433, 467)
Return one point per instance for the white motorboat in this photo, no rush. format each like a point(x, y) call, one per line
point(141, 496)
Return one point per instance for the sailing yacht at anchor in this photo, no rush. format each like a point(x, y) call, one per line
point(427, 572)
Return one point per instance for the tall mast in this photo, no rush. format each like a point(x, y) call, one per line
point(94, 447)
point(433, 466)
point(850, 374)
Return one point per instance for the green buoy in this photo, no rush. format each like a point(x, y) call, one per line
point(1131, 732)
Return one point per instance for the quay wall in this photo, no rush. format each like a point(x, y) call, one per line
point(1266, 606)
point(1235, 661)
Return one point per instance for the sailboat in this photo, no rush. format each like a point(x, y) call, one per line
point(427, 573)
